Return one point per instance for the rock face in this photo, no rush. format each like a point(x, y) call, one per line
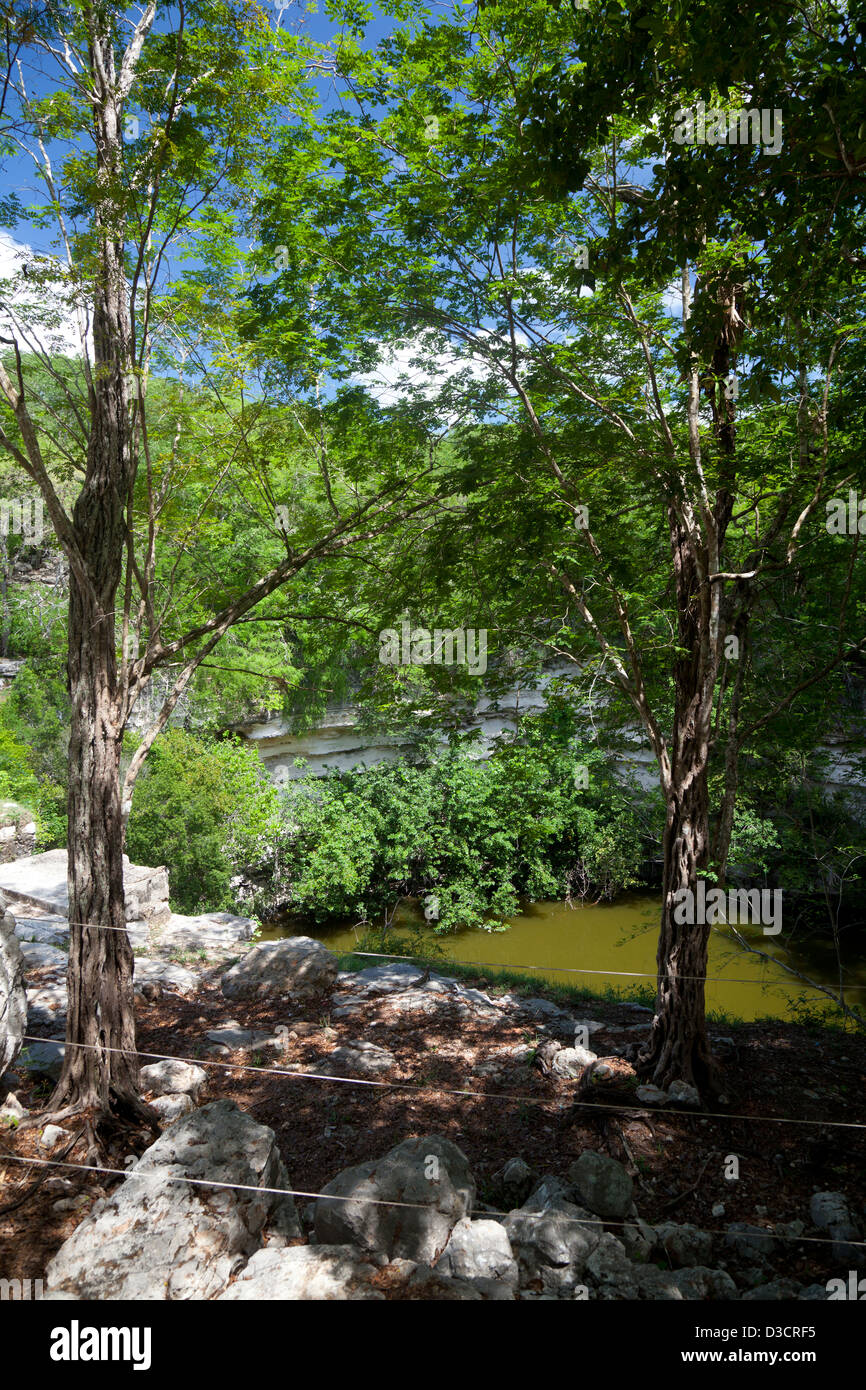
point(160, 1239)
point(13, 1000)
point(40, 881)
point(430, 1173)
point(298, 966)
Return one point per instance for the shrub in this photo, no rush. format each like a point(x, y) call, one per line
point(200, 806)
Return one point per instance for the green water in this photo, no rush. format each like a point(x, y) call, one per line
point(614, 944)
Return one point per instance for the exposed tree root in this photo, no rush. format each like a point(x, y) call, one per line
point(34, 1187)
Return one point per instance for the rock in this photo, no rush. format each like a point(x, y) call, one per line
point(13, 998)
point(386, 979)
point(638, 1238)
point(472, 1004)
point(679, 1285)
point(214, 932)
point(39, 955)
point(514, 1181)
point(46, 1006)
point(498, 1064)
point(829, 1212)
point(154, 1238)
point(776, 1290)
point(355, 1058)
point(546, 1015)
point(417, 1001)
point(43, 1059)
point(232, 1038)
point(431, 1173)
point(296, 966)
point(177, 979)
point(749, 1241)
point(681, 1093)
point(790, 1229)
point(170, 1078)
point(685, 1245)
point(40, 881)
point(305, 1272)
point(553, 1245)
point(603, 1184)
point(50, 930)
point(651, 1095)
point(548, 1192)
point(829, 1209)
point(434, 1287)
point(609, 1267)
point(478, 1250)
point(12, 1109)
point(569, 1062)
point(173, 1107)
point(52, 1137)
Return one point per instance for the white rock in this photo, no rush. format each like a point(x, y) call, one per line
point(478, 1250)
point(570, 1062)
point(305, 1272)
point(170, 1077)
point(154, 1238)
point(13, 997)
point(52, 1137)
point(297, 966)
point(173, 1107)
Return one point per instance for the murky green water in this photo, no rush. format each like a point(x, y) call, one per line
point(614, 945)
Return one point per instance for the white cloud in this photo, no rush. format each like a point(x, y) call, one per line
point(423, 366)
point(36, 309)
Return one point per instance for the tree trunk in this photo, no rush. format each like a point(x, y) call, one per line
point(678, 1048)
point(100, 1068)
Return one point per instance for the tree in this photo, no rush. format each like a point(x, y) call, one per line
point(496, 201)
point(146, 140)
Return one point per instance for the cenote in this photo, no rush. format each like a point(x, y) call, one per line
point(612, 946)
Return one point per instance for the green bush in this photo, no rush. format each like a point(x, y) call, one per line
point(201, 806)
point(476, 835)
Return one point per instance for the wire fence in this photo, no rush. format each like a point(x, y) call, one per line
point(156, 1177)
point(509, 1098)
